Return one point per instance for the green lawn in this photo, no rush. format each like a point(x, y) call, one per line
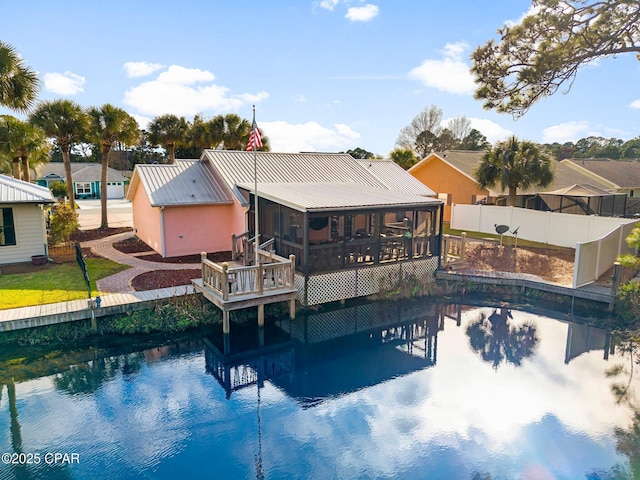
point(56, 283)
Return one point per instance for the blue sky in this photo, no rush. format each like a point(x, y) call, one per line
point(325, 75)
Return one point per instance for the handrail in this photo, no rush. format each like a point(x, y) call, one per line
point(229, 281)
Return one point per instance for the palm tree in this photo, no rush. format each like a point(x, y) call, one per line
point(22, 143)
point(66, 122)
point(18, 83)
point(236, 134)
point(108, 125)
point(168, 130)
point(513, 164)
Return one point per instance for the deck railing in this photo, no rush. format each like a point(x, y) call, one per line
point(273, 272)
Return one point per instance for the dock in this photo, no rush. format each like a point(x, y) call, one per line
point(233, 286)
point(62, 312)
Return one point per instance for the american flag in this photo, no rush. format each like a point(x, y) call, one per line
point(255, 142)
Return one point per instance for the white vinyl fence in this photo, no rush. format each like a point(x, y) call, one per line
point(598, 240)
point(597, 256)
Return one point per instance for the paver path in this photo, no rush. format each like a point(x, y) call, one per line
point(121, 282)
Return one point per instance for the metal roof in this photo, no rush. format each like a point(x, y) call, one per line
point(335, 196)
point(81, 172)
point(182, 183)
point(13, 190)
point(394, 177)
point(237, 167)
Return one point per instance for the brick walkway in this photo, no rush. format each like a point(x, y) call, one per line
point(121, 282)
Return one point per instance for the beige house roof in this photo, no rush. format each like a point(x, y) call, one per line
point(618, 173)
point(466, 162)
point(81, 172)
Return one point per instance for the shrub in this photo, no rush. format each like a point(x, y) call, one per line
point(58, 189)
point(64, 221)
point(628, 306)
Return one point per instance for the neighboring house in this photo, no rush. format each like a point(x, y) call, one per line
point(86, 179)
point(349, 223)
point(451, 175)
point(618, 176)
point(23, 232)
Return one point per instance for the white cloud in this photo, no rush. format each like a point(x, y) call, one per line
point(329, 4)
point(299, 98)
point(308, 137)
point(67, 83)
point(566, 132)
point(635, 104)
point(362, 14)
point(490, 129)
point(451, 74)
point(186, 91)
point(141, 69)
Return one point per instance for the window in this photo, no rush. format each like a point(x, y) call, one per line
point(7, 227)
point(83, 188)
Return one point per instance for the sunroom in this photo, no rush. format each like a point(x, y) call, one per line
point(345, 236)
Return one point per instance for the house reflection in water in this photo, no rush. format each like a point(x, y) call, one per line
point(331, 353)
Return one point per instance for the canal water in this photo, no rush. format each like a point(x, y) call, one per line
point(398, 391)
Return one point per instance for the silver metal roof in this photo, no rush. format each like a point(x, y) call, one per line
point(237, 167)
point(81, 172)
point(13, 190)
point(394, 177)
point(183, 183)
point(335, 196)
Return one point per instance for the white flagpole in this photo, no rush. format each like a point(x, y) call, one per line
point(255, 183)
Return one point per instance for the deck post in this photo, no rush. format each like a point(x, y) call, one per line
point(292, 274)
point(261, 315)
point(225, 322)
point(292, 309)
point(234, 254)
point(225, 281)
point(463, 247)
point(260, 279)
point(203, 257)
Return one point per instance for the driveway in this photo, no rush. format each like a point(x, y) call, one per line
point(118, 213)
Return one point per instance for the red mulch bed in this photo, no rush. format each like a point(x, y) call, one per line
point(214, 257)
point(164, 279)
point(132, 245)
point(97, 233)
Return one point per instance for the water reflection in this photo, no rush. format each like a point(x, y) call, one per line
point(328, 354)
point(376, 390)
point(497, 340)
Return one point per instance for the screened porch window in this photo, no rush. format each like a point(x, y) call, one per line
point(7, 227)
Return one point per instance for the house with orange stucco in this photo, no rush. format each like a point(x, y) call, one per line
point(451, 175)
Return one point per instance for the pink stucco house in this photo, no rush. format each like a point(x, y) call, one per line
point(196, 205)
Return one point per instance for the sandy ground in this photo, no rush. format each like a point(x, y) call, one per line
point(119, 213)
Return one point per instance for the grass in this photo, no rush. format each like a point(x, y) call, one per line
point(54, 283)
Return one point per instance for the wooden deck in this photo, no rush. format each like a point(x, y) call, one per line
point(233, 286)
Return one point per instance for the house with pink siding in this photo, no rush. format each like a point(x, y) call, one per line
point(182, 209)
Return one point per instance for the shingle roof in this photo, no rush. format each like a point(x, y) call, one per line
point(186, 182)
point(81, 172)
point(394, 177)
point(623, 173)
point(580, 191)
point(13, 190)
point(334, 196)
point(466, 162)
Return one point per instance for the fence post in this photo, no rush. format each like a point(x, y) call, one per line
point(616, 281)
point(445, 247)
point(463, 245)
